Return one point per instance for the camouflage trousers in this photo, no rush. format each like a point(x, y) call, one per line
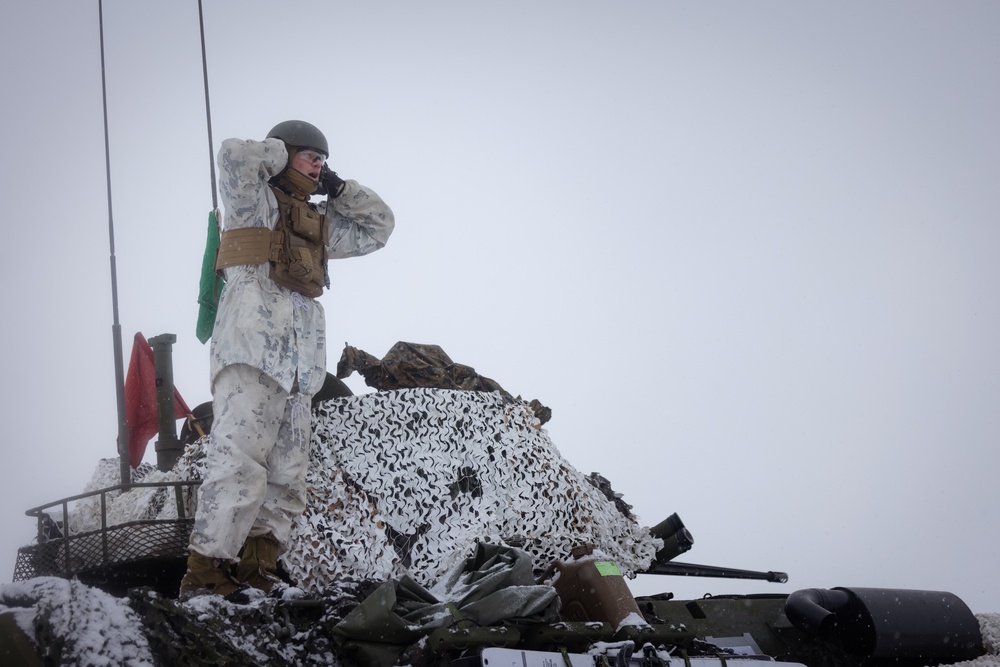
point(257, 454)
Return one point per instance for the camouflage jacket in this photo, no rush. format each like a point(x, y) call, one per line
point(259, 322)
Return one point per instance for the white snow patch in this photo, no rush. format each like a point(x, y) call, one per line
point(633, 619)
point(98, 629)
point(989, 627)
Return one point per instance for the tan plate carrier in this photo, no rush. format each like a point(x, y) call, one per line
point(295, 249)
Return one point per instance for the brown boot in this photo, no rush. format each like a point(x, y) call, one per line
point(207, 575)
point(259, 563)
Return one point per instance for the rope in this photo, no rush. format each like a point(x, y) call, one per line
point(300, 414)
point(299, 301)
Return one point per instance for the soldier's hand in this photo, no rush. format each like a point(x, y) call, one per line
point(329, 183)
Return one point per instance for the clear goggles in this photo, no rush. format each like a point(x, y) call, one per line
point(311, 157)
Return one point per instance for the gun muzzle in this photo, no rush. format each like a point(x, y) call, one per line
point(676, 538)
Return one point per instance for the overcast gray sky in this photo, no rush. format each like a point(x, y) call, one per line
point(747, 252)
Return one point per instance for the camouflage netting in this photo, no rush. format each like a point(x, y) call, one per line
point(416, 476)
point(412, 479)
point(73, 625)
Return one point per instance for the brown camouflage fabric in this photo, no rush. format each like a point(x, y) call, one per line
point(413, 365)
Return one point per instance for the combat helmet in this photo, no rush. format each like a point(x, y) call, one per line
point(301, 134)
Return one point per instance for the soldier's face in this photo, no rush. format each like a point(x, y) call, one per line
point(308, 162)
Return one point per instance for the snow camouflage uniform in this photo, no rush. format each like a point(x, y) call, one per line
point(268, 357)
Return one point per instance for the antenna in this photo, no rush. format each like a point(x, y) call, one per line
point(116, 328)
point(208, 108)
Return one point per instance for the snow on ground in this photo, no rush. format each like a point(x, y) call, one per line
point(81, 625)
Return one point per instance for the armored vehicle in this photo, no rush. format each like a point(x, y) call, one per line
point(444, 528)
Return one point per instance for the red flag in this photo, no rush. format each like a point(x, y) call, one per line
point(141, 420)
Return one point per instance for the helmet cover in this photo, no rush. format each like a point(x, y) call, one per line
point(300, 134)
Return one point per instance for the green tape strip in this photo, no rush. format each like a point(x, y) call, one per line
point(607, 568)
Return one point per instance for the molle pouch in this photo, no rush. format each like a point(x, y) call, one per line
point(300, 265)
point(298, 246)
point(307, 223)
point(302, 270)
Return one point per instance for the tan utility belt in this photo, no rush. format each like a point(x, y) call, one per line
point(250, 245)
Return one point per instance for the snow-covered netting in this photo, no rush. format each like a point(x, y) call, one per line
point(139, 504)
point(417, 476)
point(80, 625)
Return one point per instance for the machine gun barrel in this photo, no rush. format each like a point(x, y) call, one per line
point(695, 570)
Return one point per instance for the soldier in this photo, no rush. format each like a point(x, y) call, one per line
point(268, 354)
